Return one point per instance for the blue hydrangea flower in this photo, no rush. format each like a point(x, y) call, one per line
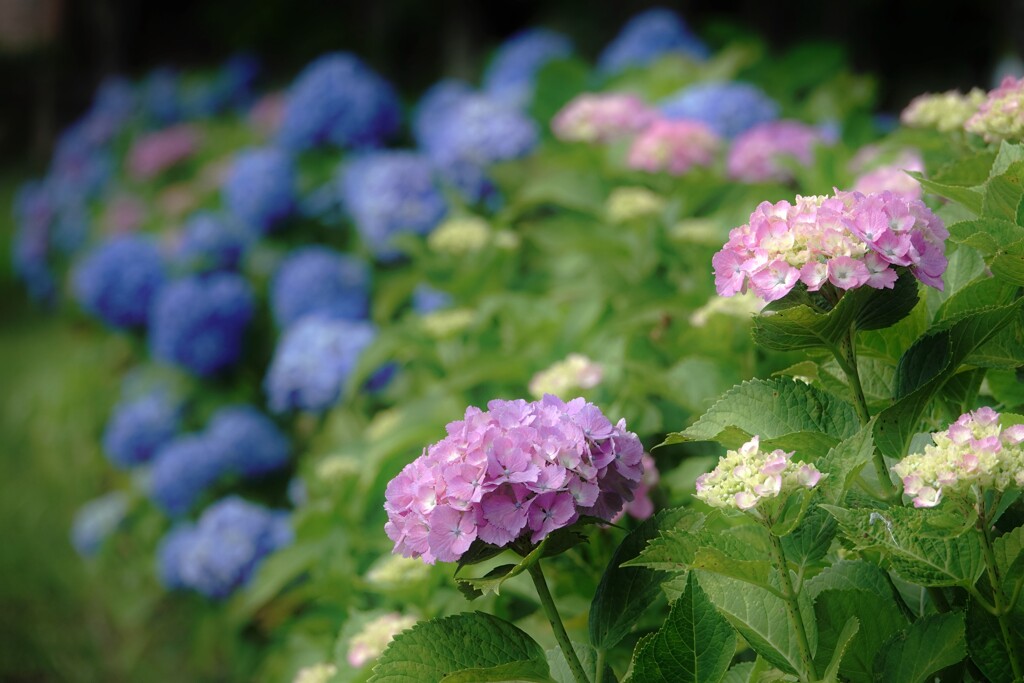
point(426, 299)
point(183, 470)
point(33, 215)
point(80, 170)
point(138, 428)
point(112, 107)
point(198, 323)
point(434, 106)
point(338, 100)
point(648, 36)
point(510, 76)
point(96, 520)
point(260, 188)
point(160, 95)
point(313, 361)
point(212, 242)
point(320, 280)
point(119, 280)
point(729, 108)
point(248, 442)
point(391, 193)
point(224, 548)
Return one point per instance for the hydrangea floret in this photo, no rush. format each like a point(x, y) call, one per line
point(674, 147)
point(1001, 115)
point(460, 235)
point(763, 153)
point(747, 476)
point(515, 471)
point(945, 112)
point(602, 117)
point(511, 74)
point(374, 637)
point(848, 240)
point(729, 108)
point(974, 453)
point(567, 377)
point(316, 673)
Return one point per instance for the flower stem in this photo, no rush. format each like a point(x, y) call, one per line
point(548, 603)
point(1001, 608)
point(796, 620)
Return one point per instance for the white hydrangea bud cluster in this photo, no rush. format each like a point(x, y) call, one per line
point(369, 643)
point(1001, 115)
point(567, 377)
point(626, 203)
point(395, 571)
point(316, 673)
point(974, 452)
point(945, 112)
point(745, 477)
point(447, 322)
point(460, 236)
point(743, 305)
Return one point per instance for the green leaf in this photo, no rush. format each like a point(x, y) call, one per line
point(587, 655)
point(842, 641)
point(1007, 386)
point(792, 326)
point(694, 645)
point(968, 196)
point(985, 644)
point(712, 559)
point(1009, 552)
point(1002, 193)
point(780, 411)
point(844, 462)
point(760, 617)
point(987, 235)
point(624, 593)
point(918, 550)
point(931, 643)
point(669, 551)
point(492, 580)
point(474, 642)
point(808, 544)
point(928, 364)
point(1009, 265)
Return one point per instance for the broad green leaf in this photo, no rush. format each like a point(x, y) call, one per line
point(789, 327)
point(928, 364)
point(843, 462)
point(1007, 386)
point(760, 617)
point(1009, 265)
point(988, 235)
point(1002, 193)
point(920, 552)
point(694, 645)
point(468, 642)
point(673, 547)
point(587, 655)
point(931, 643)
point(624, 593)
point(773, 409)
point(491, 582)
point(969, 197)
point(982, 292)
point(809, 542)
point(1009, 552)
point(712, 559)
point(1008, 154)
point(842, 642)
point(986, 646)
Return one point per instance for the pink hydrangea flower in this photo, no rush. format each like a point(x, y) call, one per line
point(760, 154)
point(848, 240)
point(516, 471)
point(1001, 115)
point(874, 175)
point(602, 118)
point(156, 152)
point(267, 113)
point(674, 147)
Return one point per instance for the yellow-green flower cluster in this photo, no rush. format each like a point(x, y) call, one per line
point(369, 643)
point(316, 673)
point(448, 322)
point(567, 378)
point(945, 112)
point(747, 476)
point(460, 236)
point(1001, 115)
point(743, 305)
point(626, 203)
point(395, 571)
point(975, 452)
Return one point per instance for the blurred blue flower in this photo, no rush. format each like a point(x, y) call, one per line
point(729, 108)
point(313, 361)
point(183, 470)
point(338, 100)
point(511, 75)
point(119, 280)
point(260, 188)
point(434, 106)
point(648, 36)
point(222, 551)
point(391, 193)
point(212, 242)
point(139, 427)
point(426, 299)
point(160, 94)
point(199, 323)
point(96, 520)
point(247, 442)
point(319, 280)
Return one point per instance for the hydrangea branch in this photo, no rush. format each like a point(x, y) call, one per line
point(789, 596)
point(1001, 607)
point(551, 612)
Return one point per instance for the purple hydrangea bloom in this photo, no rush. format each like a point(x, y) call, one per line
point(119, 280)
point(183, 470)
point(199, 323)
point(389, 194)
point(516, 471)
point(313, 361)
point(511, 74)
point(322, 281)
point(96, 520)
point(260, 188)
point(729, 108)
point(223, 550)
point(648, 36)
point(434, 106)
point(212, 242)
point(138, 428)
point(248, 442)
point(338, 100)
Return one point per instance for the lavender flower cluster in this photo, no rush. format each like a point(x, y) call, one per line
point(322, 281)
point(516, 470)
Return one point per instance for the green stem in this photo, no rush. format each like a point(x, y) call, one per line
point(796, 620)
point(601, 655)
point(548, 603)
point(1002, 610)
point(898, 597)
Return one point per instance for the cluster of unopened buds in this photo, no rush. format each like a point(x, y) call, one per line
point(1001, 115)
point(571, 375)
point(974, 453)
point(516, 471)
point(848, 240)
point(747, 476)
point(946, 112)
